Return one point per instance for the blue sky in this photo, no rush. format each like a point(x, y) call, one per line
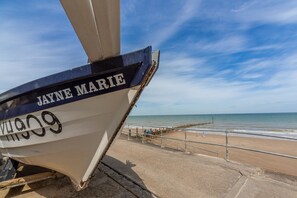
point(216, 56)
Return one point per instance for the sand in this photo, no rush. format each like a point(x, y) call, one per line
point(268, 162)
point(166, 173)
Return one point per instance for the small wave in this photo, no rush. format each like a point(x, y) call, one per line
point(128, 126)
point(290, 134)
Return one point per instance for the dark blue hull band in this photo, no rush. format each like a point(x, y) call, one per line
point(83, 82)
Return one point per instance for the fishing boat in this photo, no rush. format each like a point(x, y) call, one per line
point(67, 121)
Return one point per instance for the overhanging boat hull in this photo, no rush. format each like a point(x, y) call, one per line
point(72, 134)
point(88, 127)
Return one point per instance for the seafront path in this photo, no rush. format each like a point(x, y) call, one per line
point(132, 169)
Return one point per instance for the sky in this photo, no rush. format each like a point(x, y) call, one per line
point(216, 56)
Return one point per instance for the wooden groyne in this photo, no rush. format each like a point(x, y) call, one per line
point(157, 131)
point(191, 125)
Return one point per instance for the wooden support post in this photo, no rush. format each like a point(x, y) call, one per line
point(129, 134)
point(27, 180)
point(186, 149)
point(161, 136)
point(227, 144)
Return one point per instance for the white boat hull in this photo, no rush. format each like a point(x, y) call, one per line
point(88, 127)
point(71, 135)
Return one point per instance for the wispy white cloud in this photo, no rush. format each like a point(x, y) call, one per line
point(216, 57)
point(226, 44)
point(181, 90)
point(31, 48)
point(188, 11)
point(156, 23)
point(244, 6)
point(272, 11)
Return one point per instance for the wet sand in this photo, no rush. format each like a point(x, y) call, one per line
point(265, 161)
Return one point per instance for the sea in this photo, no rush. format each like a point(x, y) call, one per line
point(279, 124)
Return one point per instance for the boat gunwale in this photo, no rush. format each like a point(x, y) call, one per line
point(77, 73)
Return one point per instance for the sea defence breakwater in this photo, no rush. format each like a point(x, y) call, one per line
point(267, 151)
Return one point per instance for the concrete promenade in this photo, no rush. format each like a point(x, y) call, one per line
point(132, 169)
point(175, 174)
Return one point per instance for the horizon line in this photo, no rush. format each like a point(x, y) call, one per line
point(213, 114)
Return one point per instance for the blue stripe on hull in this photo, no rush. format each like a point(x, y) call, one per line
point(83, 82)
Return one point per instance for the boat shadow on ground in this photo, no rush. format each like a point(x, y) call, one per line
point(112, 178)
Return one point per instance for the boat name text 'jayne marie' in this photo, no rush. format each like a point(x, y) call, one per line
point(82, 89)
point(31, 125)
